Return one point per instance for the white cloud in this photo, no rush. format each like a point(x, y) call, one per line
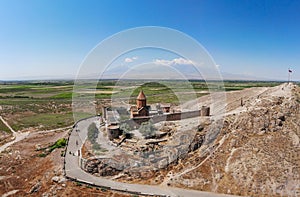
point(130, 59)
point(176, 61)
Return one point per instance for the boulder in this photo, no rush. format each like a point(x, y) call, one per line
point(281, 117)
point(35, 188)
point(55, 179)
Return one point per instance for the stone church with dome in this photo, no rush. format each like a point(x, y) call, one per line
point(141, 109)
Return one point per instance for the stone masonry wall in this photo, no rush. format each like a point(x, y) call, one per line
point(165, 117)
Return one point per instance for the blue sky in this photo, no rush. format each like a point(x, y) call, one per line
point(50, 38)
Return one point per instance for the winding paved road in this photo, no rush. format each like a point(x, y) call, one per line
point(73, 170)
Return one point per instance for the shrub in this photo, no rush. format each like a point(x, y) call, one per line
point(125, 127)
point(42, 155)
point(96, 146)
point(103, 189)
point(58, 144)
point(147, 129)
point(93, 133)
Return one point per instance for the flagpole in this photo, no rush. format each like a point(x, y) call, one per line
point(289, 76)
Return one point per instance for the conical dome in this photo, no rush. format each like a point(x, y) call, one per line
point(141, 96)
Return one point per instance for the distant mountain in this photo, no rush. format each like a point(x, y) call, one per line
point(150, 71)
point(44, 77)
point(231, 76)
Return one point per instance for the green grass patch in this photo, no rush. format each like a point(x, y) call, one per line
point(42, 155)
point(36, 90)
point(239, 85)
point(64, 95)
point(4, 128)
point(48, 121)
point(58, 144)
point(11, 89)
point(103, 96)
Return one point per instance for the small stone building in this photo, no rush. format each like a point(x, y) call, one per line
point(113, 131)
point(205, 111)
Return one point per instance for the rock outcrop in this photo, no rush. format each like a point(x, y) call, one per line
point(257, 152)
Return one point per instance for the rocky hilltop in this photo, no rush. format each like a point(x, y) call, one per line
point(256, 153)
point(250, 146)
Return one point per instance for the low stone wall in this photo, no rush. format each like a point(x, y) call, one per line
point(168, 117)
point(136, 121)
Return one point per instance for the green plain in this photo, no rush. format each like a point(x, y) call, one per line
point(48, 103)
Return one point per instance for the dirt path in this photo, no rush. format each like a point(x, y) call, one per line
point(222, 102)
point(233, 105)
point(10, 193)
point(52, 130)
point(18, 136)
point(8, 126)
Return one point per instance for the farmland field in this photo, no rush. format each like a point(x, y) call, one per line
point(48, 105)
point(41, 106)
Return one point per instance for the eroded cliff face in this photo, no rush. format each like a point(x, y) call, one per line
point(257, 152)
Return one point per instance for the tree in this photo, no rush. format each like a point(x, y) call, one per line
point(96, 146)
point(93, 133)
point(125, 127)
point(126, 130)
point(147, 129)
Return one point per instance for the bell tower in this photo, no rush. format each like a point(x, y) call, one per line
point(141, 100)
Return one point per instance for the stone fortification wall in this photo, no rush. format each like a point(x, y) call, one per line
point(168, 117)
